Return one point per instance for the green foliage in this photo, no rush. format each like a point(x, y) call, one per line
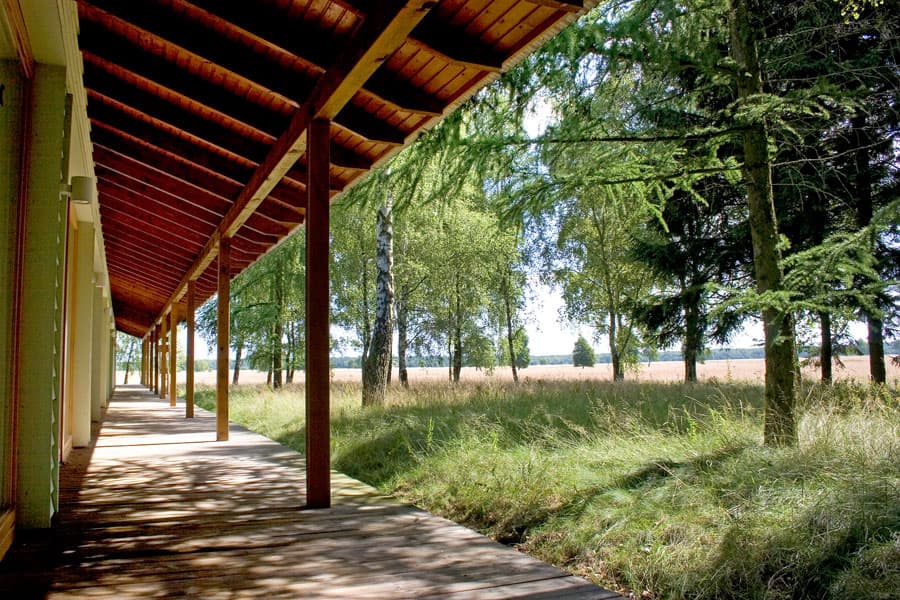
point(520, 347)
point(656, 488)
point(457, 268)
point(582, 353)
point(267, 310)
point(128, 352)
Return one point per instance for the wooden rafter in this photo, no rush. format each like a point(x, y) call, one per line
point(374, 40)
point(572, 6)
point(199, 109)
point(200, 41)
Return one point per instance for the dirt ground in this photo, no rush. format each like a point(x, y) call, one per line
point(855, 367)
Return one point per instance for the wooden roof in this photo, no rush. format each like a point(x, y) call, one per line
point(199, 110)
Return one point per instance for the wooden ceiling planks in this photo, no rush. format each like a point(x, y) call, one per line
point(199, 110)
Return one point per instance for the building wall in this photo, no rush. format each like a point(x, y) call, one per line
point(48, 297)
point(41, 304)
point(10, 126)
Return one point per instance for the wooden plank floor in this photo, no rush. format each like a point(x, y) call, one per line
point(158, 509)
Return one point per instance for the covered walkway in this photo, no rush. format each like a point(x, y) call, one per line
point(156, 508)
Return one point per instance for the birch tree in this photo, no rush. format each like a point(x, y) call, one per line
point(378, 362)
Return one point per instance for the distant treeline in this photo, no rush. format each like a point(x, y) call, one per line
point(664, 356)
point(352, 362)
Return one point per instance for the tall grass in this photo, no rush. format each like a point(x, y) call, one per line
point(660, 489)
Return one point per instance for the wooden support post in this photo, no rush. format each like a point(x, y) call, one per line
point(150, 352)
point(145, 361)
point(163, 356)
point(173, 354)
point(156, 353)
point(151, 349)
point(189, 363)
point(223, 321)
point(318, 438)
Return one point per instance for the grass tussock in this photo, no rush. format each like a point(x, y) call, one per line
point(660, 489)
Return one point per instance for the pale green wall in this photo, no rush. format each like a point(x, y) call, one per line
point(38, 449)
point(10, 124)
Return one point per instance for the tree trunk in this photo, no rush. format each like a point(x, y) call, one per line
point(128, 358)
point(278, 330)
point(237, 363)
point(289, 357)
point(509, 327)
point(692, 337)
point(825, 347)
point(618, 370)
point(457, 336)
point(875, 326)
point(782, 369)
point(402, 341)
point(378, 363)
point(450, 342)
point(876, 349)
point(367, 331)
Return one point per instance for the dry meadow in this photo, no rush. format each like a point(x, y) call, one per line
point(741, 370)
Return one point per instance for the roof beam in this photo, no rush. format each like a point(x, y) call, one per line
point(457, 46)
point(159, 33)
point(364, 125)
point(250, 144)
point(108, 113)
point(194, 37)
point(179, 190)
point(129, 242)
point(375, 40)
point(229, 135)
point(391, 89)
point(127, 63)
point(132, 321)
point(572, 6)
point(132, 190)
point(310, 45)
point(188, 172)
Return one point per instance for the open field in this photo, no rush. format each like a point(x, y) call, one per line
point(744, 370)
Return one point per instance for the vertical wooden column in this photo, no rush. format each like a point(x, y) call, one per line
point(318, 434)
point(156, 351)
point(163, 355)
point(145, 359)
point(173, 354)
point(223, 322)
point(189, 362)
point(149, 383)
point(151, 352)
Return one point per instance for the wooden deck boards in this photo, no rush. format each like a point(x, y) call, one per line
point(158, 509)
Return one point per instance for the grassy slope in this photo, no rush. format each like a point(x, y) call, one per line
point(655, 488)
